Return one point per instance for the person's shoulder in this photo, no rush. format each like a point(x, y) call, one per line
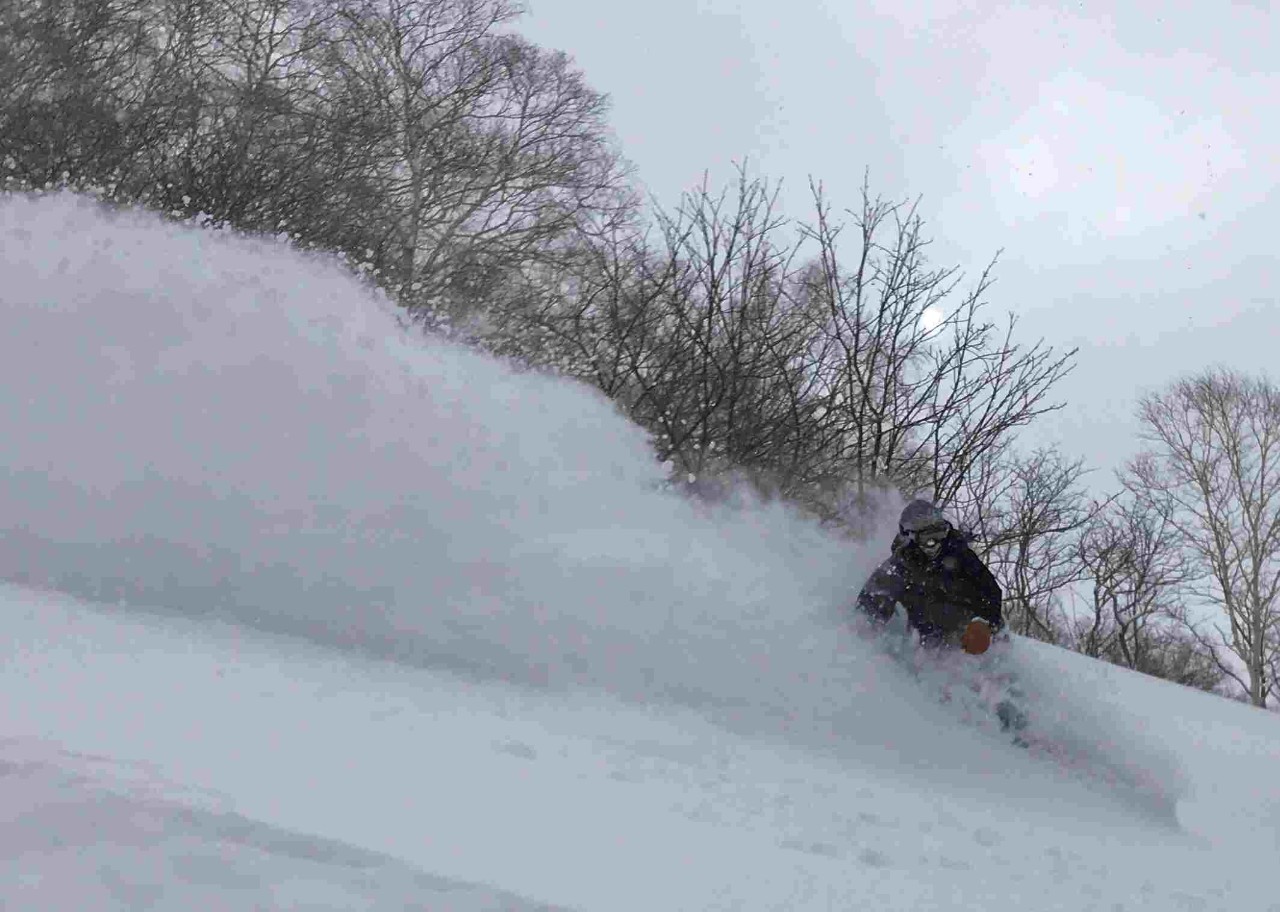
point(965, 556)
point(890, 566)
point(958, 550)
point(960, 536)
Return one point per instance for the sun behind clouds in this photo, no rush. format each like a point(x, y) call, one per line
point(932, 318)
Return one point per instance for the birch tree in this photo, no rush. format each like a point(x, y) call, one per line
point(1212, 470)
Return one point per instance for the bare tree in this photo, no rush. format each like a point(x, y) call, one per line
point(485, 148)
point(436, 150)
point(744, 344)
point(694, 333)
point(1138, 571)
point(246, 141)
point(920, 404)
point(1177, 654)
point(76, 89)
point(1213, 471)
point(1025, 514)
point(711, 344)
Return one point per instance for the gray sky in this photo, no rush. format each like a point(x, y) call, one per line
point(1127, 162)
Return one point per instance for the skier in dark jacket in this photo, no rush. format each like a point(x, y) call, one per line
point(949, 595)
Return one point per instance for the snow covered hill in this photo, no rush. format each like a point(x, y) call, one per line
point(304, 612)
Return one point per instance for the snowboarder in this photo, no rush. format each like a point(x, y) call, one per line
point(949, 595)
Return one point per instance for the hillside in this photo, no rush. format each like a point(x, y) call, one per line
point(306, 612)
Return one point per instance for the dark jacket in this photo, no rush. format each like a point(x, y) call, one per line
point(940, 595)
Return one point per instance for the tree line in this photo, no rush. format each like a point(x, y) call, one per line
point(472, 176)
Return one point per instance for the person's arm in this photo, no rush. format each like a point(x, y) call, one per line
point(989, 598)
point(881, 593)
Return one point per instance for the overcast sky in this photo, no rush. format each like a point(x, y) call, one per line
point(1126, 162)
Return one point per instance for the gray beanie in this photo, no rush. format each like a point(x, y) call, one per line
point(921, 514)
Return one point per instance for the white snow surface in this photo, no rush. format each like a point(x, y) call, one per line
point(307, 611)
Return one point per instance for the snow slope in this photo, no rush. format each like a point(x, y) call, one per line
point(306, 612)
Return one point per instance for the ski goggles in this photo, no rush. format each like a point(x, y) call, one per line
point(925, 538)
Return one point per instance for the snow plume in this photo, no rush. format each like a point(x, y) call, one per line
point(1064, 709)
point(224, 424)
point(226, 427)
